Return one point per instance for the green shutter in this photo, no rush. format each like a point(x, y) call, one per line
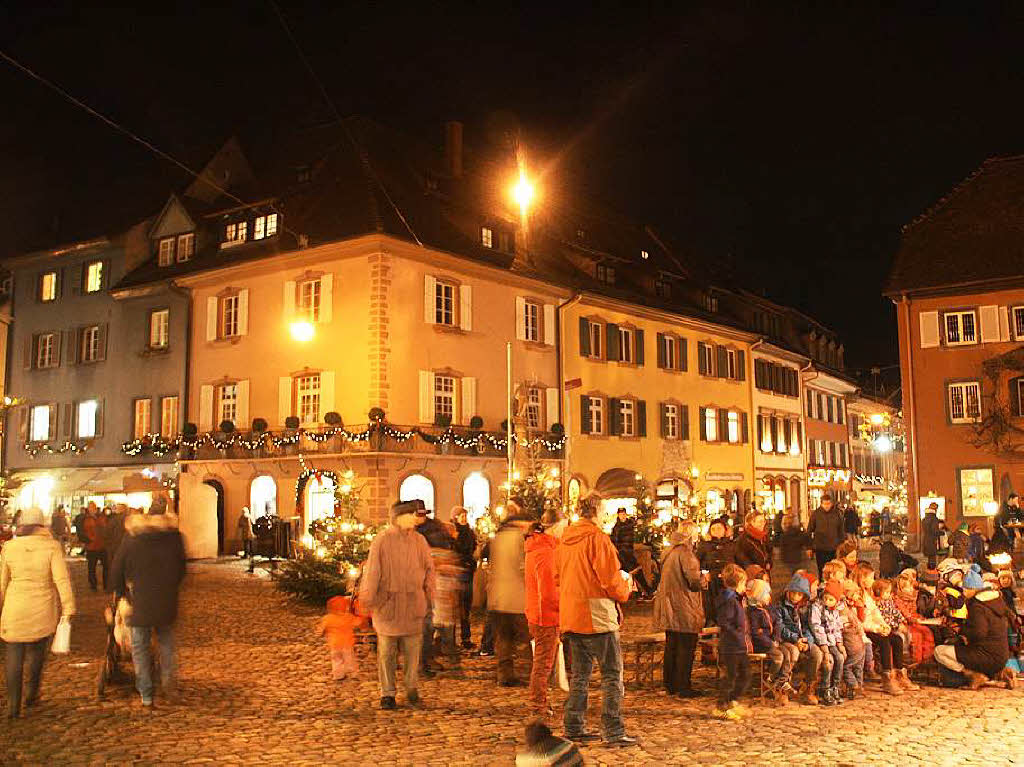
point(641, 418)
point(663, 417)
point(613, 416)
point(584, 414)
point(612, 351)
point(703, 424)
point(723, 361)
point(744, 429)
point(723, 425)
point(638, 341)
point(702, 365)
point(659, 339)
point(683, 363)
point(684, 429)
point(584, 337)
point(760, 431)
point(741, 365)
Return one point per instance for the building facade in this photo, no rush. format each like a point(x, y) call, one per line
point(878, 459)
point(828, 436)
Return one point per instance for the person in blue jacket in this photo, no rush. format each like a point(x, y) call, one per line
point(798, 645)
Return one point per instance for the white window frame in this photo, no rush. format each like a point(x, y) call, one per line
point(532, 313)
point(595, 408)
point(732, 364)
point(627, 353)
point(627, 418)
point(709, 353)
point(48, 287)
point(958, 325)
point(39, 423)
point(227, 404)
point(959, 396)
point(159, 328)
point(444, 394)
point(89, 349)
point(734, 426)
point(169, 417)
point(229, 316)
point(45, 342)
point(235, 233)
point(670, 350)
point(308, 398)
point(165, 251)
point(309, 298)
point(671, 420)
point(259, 227)
point(142, 417)
point(711, 424)
point(534, 408)
point(596, 339)
point(1017, 317)
point(272, 221)
point(93, 277)
point(486, 236)
point(446, 303)
point(185, 247)
point(85, 419)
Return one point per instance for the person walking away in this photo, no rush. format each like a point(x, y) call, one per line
point(794, 542)
point(851, 522)
point(465, 547)
point(339, 626)
point(930, 534)
point(78, 526)
point(542, 608)
point(591, 588)
point(753, 547)
point(148, 570)
point(95, 554)
point(245, 532)
point(59, 527)
point(826, 530)
point(506, 594)
point(734, 644)
point(397, 587)
point(114, 531)
point(439, 539)
point(679, 609)
point(33, 581)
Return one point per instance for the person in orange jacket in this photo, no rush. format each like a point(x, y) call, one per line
point(542, 608)
point(339, 626)
point(591, 588)
point(95, 552)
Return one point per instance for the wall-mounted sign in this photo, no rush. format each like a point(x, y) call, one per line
point(723, 477)
point(867, 479)
point(818, 477)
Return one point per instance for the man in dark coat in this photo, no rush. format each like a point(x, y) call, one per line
point(930, 534)
point(1010, 512)
point(982, 648)
point(148, 570)
point(465, 547)
point(623, 537)
point(827, 531)
point(851, 522)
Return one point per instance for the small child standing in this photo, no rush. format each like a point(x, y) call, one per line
point(766, 635)
point(854, 640)
point(340, 625)
point(733, 643)
point(827, 625)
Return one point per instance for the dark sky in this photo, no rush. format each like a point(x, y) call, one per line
point(791, 140)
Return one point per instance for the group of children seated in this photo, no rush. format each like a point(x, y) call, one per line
point(840, 631)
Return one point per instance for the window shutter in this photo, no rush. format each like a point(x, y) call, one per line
point(929, 329)
point(99, 418)
point(660, 341)
point(327, 393)
point(74, 280)
point(242, 422)
point(641, 418)
point(70, 341)
point(211, 318)
point(552, 400)
point(584, 413)
point(53, 424)
point(426, 396)
point(289, 301)
point(468, 399)
point(703, 425)
point(584, 337)
point(744, 429)
point(429, 301)
point(520, 318)
point(549, 324)
point(102, 354)
point(466, 307)
point(613, 415)
point(57, 338)
point(638, 342)
point(809, 400)
point(612, 350)
point(284, 399)
point(29, 353)
point(787, 431)
point(663, 418)
point(684, 430)
point(723, 425)
point(25, 414)
point(1014, 396)
point(702, 364)
point(67, 418)
point(326, 298)
point(798, 433)
point(1004, 323)
point(741, 365)
point(243, 312)
point(988, 317)
point(773, 430)
point(682, 354)
point(722, 361)
point(206, 409)
point(760, 431)
point(840, 411)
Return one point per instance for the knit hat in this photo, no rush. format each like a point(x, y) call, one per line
point(949, 564)
point(759, 592)
point(799, 584)
point(973, 579)
point(33, 516)
point(811, 579)
point(835, 589)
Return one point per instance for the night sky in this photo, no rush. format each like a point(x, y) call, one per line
point(789, 143)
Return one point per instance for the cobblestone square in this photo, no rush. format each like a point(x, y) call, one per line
point(255, 688)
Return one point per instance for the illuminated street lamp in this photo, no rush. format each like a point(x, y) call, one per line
point(883, 444)
point(523, 193)
point(302, 331)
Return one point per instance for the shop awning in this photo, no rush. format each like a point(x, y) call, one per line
point(100, 480)
point(616, 483)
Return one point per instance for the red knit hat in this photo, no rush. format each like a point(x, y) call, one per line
point(835, 589)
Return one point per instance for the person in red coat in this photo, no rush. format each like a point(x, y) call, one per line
point(542, 608)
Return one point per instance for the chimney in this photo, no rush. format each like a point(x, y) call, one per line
point(453, 147)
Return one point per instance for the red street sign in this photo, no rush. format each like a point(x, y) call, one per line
point(575, 383)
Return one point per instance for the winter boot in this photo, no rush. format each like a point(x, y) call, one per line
point(836, 696)
point(903, 677)
point(889, 685)
point(825, 696)
point(781, 698)
point(1008, 677)
point(975, 680)
point(808, 698)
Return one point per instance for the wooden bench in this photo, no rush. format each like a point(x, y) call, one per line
point(643, 656)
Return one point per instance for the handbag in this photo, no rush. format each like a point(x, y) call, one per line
point(61, 644)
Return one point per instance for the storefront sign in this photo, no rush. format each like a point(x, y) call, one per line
point(867, 479)
point(723, 477)
point(823, 477)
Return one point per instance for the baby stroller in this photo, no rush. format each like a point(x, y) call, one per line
point(118, 648)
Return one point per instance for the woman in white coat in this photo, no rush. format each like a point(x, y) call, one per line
point(33, 578)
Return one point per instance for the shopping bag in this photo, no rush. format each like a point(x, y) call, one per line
point(559, 670)
point(61, 644)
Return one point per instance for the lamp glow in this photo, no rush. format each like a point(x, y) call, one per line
point(883, 444)
point(302, 331)
point(523, 193)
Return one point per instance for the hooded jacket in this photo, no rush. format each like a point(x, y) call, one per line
point(149, 568)
point(733, 629)
point(677, 603)
point(33, 575)
point(826, 624)
point(987, 648)
point(398, 581)
point(792, 625)
point(541, 582)
point(589, 582)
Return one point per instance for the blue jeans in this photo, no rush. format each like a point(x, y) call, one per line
point(17, 654)
point(833, 659)
point(584, 649)
point(143, 660)
point(853, 669)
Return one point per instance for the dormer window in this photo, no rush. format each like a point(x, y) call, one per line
point(186, 247)
point(709, 302)
point(180, 249)
point(606, 274)
point(663, 288)
point(644, 255)
point(303, 174)
point(264, 226)
point(235, 233)
point(486, 237)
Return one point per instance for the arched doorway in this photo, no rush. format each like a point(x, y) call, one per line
point(476, 496)
point(263, 497)
point(417, 487)
point(318, 502)
point(219, 489)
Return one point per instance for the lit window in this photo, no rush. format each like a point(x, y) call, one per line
point(444, 303)
point(668, 351)
point(764, 426)
point(734, 426)
point(476, 496)
point(46, 350)
point(143, 418)
point(308, 307)
point(1018, 322)
point(595, 406)
point(531, 320)
point(93, 276)
point(307, 398)
point(90, 351)
point(235, 233)
point(87, 418)
point(782, 432)
point(259, 227)
point(965, 402)
point(186, 246)
point(486, 237)
point(627, 418)
point(960, 328)
point(444, 397)
point(711, 424)
point(158, 328)
point(671, 421)
point(40, 426)
point(48, 287)
point(169, 417)
point(625, 345)
point(976, 490)
point(271, 224)
point(227, 403)
point(166, 252)
point(644, 255)
point(533, 409)
point(229, 316)
point(596, 336)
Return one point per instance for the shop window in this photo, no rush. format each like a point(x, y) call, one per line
point(977, 491)
point(476, 496)
point(417, 487)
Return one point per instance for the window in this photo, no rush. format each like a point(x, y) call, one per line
point(606, 274)
point(40, 423)
point(227, 403)
point(186, 246)
point(625, 345)
point(308, 307)
point(1018, 323)
point(596, 410)
point(711, 424)
point(596, 334)
point(307, 398)
point(444, 303)
point(87, 412)
point(444, 398)
point(90, 350)
point(235, 233)
point(262, 226)
point(627, 418)
point(663, 289)
point(48, 287)
point(734, 426)
point(669, 351)
point(707, 358)
point(415, 487)
point(142, 418)
point(964, 402)
point(229, 316)
point(976, 490)
point(169, 417)
point(158, 328)
point(533, 408)
point(476, 496)
point(531, 320)
point(732, 364)
point(709, 302)
point(486, 237)
point(93, 276)
point(46, 350)
point(960, 328)
point(644, 255)
point(271, 224)
point(165, 255)
point(671, 421)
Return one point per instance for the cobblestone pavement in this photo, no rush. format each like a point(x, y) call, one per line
point(255, 689)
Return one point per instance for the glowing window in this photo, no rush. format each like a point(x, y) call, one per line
point(476, 495)
point(417, 487)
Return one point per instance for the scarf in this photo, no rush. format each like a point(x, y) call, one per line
point(757, 535)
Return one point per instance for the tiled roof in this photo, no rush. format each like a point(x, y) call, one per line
point(973, 235)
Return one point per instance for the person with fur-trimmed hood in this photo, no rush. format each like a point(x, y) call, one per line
point(148, 570)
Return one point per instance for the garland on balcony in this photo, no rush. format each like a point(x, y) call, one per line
point(34, 448)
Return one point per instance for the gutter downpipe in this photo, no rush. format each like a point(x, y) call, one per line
point(912, 513)
point(566, 410)
point(185, 293)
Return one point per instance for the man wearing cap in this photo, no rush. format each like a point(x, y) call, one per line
point(930, 534)
point(397, 587)
point(827, 531)
point(506, 593)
